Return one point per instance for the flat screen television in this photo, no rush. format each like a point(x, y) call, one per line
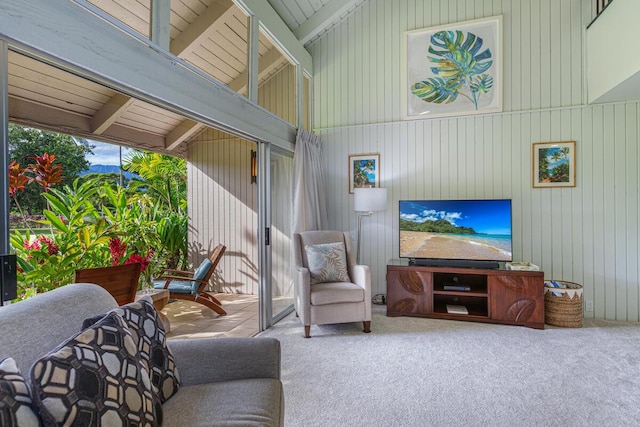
point(456, 233)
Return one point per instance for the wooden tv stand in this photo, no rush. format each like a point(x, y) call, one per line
point(494, 296)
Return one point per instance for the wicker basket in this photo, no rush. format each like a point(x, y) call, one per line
point(563, 306)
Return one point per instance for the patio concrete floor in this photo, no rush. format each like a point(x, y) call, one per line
point(193, 320)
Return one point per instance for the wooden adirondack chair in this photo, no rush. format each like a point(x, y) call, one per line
point(191, 286)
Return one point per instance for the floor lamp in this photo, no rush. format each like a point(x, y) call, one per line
point(366, 202)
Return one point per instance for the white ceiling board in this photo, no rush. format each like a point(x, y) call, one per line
point(324, 18)
point(308, 19)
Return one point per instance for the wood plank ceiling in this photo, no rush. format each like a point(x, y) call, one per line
point(209, 34)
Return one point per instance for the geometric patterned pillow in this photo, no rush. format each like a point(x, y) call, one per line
point(327, 263)
point(15, 399)
point(95, 378)
point(151, 341)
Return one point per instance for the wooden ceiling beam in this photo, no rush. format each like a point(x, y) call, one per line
point(191, 37)
point(185, 130)
point(188, 39)
point(110, 112)
point(267, 63)
point(66, 36)
point(41, 116)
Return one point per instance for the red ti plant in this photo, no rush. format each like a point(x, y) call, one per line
point(45, 172)
point(17, 178)
point(17, 181)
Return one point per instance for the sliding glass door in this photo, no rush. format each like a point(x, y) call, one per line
point(281, 251)
point(276, 266)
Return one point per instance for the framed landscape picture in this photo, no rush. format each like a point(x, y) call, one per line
point(554, 164)
point(364, 171)
point(453, 69)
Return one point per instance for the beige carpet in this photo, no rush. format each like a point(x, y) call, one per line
point(428, 372)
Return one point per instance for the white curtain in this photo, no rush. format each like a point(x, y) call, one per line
point(309, 200)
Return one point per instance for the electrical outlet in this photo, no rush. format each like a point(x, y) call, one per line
point(588, 305)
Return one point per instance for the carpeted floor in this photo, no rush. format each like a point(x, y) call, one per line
point(428, 372)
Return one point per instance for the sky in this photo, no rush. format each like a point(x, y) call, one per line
point(106, 154)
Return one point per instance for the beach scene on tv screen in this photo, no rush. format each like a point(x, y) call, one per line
point(458, 229)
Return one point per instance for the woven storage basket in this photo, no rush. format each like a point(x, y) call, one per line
point(563, 306)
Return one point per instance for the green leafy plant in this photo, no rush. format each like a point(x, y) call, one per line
point(460, 69)
point(172, 231)
point(93, 222)
point(78, 235)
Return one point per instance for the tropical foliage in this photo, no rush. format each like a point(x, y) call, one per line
point(92, 223)
point(437, 226)
point(460, 69)
point(361, 171)
point(64, 151)
point(163, 186)
point(560, 159)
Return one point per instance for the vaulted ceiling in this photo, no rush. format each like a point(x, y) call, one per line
point(211, 35)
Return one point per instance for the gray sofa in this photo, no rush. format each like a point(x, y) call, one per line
point(224, 381)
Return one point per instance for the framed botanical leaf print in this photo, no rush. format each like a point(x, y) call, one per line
point(453, 69)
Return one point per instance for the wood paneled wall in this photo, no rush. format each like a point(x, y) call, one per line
point(278, 94)
point(588, 234)
point(223, 208)
point(223, 203)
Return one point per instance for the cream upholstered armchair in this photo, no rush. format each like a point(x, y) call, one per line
point(330, 287)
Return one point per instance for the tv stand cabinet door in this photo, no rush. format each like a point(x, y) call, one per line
point(518, 299)
point(409, 292)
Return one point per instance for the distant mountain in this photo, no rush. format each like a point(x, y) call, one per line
point(108, 169)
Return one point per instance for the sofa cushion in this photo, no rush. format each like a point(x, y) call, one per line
point(96, 377)
point(15, 397)
point(151, 341)
point(336, 292)
point(327, 262)
point(248, 402)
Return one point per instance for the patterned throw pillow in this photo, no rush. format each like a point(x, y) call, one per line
point(150, 340)
point(327, 263)
point(15, 399)
point(95, 378)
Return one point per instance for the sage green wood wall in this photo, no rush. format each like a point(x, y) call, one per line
point(588, 234)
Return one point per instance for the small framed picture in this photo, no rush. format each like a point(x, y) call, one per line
point(364, 171)
point(554, 164)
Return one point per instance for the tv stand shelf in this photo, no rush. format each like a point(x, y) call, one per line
point(493, 295)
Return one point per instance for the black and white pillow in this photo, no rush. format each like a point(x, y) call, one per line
point(151, 341)
point(15, 398)
point(95, 378)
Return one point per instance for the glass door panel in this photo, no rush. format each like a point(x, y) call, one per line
point(281, 173)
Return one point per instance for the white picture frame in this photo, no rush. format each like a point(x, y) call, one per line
point(434, 81)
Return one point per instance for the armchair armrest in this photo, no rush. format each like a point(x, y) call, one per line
point(303, 283)
point(362, 276)
point(202, 361)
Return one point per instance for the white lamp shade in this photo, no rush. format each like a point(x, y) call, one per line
point(370, 199)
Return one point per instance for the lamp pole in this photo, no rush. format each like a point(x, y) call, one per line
point(366, 202)
point(360, 215)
